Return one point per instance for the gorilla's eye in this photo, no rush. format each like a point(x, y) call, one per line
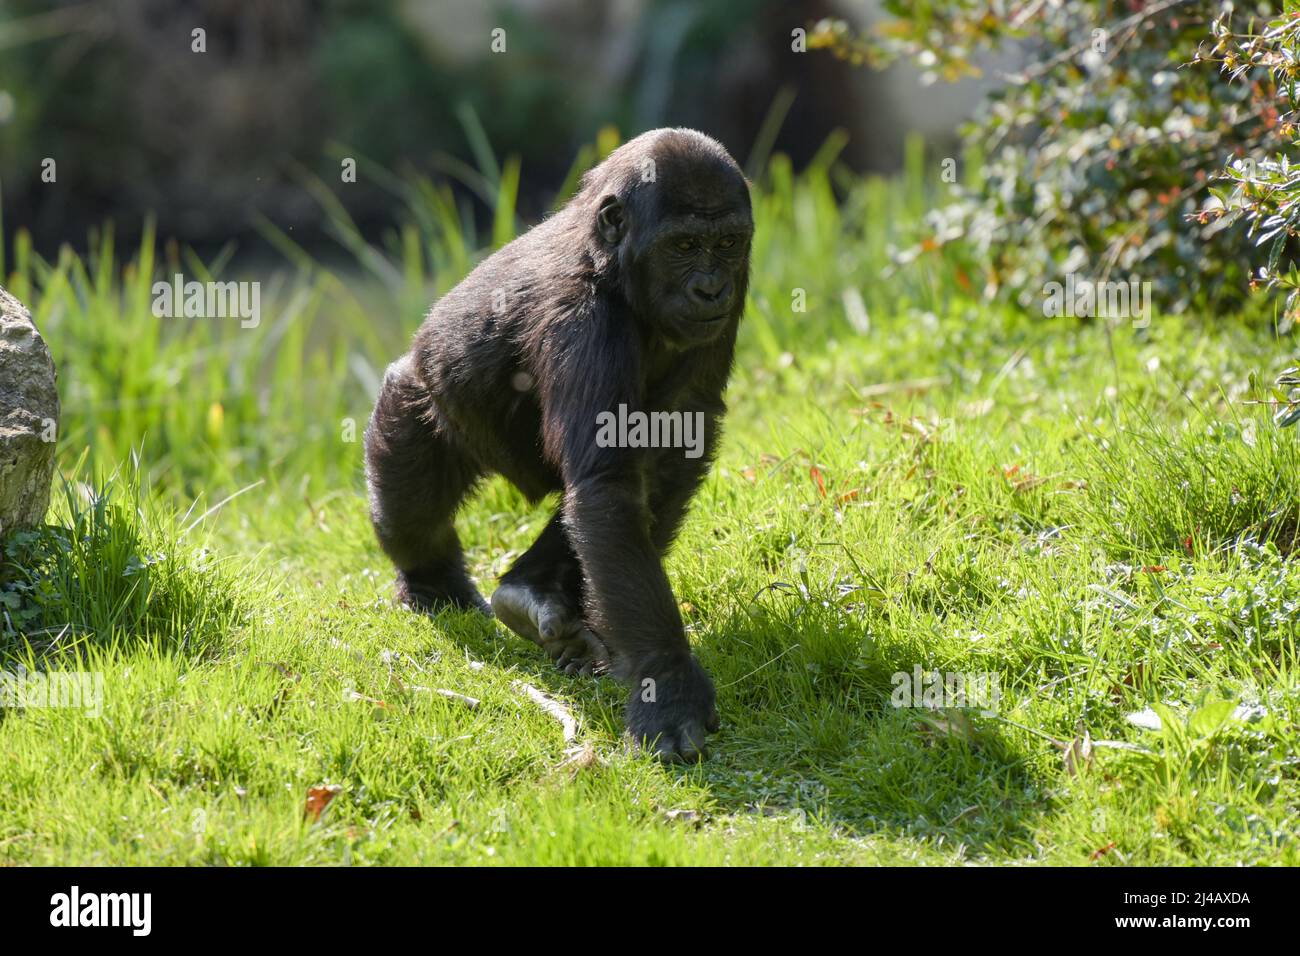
point(684, 245)
point(727, 242)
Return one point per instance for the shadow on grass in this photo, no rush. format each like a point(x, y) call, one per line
point(878, 771)
point(821, 745)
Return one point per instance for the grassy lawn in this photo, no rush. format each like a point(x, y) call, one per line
point(911, 477)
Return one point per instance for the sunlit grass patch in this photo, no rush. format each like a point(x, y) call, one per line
point(113, 569)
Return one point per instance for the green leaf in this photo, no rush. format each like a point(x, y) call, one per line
point(1208, 720)
point(1275, 254)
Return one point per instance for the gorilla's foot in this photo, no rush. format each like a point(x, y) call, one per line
point(426, 596)
point(553, 624)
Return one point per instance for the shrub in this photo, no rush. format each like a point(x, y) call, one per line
point(1099, 155)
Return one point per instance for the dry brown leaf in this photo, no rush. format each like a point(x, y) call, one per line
point(1078, 755)
point(1020, 481)
point(581, 758)
point(318, 798)
point(815, 474)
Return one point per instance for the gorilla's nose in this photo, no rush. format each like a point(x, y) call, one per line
point(710, 290)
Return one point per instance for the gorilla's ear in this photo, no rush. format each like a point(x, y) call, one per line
point(610, 220)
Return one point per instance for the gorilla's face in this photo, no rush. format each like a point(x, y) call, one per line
point(686, 251)
point(694, 272)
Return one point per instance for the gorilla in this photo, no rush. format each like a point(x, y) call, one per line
point(626, 301)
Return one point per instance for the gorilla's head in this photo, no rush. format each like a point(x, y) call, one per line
point(672, 215)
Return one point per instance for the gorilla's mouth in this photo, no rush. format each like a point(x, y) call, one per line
point(709, 319)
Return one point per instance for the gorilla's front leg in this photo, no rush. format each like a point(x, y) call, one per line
point(540, 599)
point(671, 706)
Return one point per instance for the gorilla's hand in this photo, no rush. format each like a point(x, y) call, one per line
point(671, 708)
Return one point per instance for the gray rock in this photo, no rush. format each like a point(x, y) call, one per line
point(29, 415)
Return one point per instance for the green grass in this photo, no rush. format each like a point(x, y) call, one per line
point(1093, 515)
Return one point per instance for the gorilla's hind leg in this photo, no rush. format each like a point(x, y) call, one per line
point(417, 477)
point(540, 599)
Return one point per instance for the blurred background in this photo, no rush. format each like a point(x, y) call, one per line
point(214, 143)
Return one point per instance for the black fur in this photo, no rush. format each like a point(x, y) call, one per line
point(631, 294)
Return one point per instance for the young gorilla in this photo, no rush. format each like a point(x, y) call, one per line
point(629, 295)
